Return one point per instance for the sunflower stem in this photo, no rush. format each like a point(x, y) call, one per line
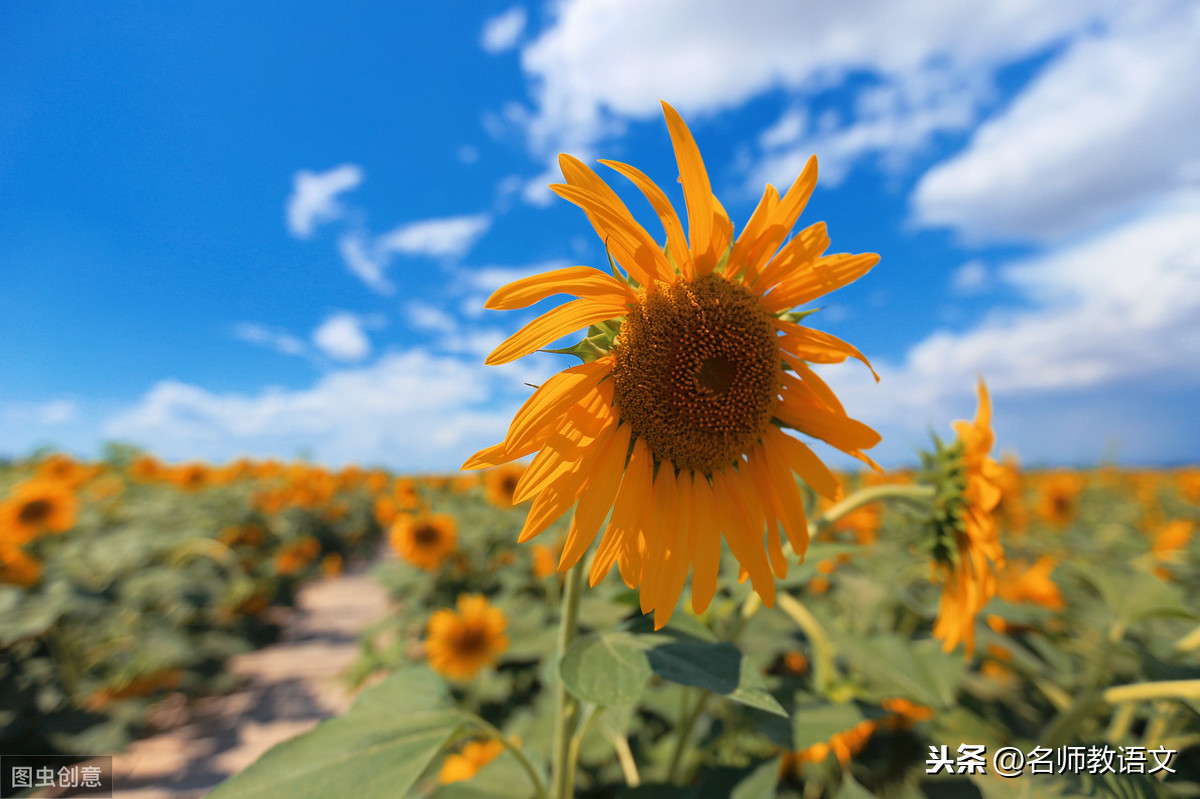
point(566, 705)
point(687, 722)
point(916, 495)
point(1167, 689)
point(539, 787)
point(823, 650)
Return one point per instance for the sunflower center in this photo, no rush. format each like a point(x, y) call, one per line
point(426, 535)
point(35, 511)
point(471, 640)
point(697, 372)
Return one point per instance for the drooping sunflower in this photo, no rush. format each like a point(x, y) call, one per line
point(693, 371)
point(461, 643)
point(424, 541)
point(969, 549)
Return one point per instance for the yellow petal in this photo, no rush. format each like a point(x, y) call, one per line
point(798, 457)
point(826, 275)
point(581, 281)
point(630, 243)
point(816, 346)
point(553, 325)
point(697, 192)
point(598, 494)
point(748, 251)
point(706, 549)
point(799, 254)
point(541, 412)
point(676, 240)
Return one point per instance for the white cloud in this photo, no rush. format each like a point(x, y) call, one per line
point(410, 410)
point(1110, 317)
point(271, 338)
point(1109, 125)
point(314, 197)
point(502, 32)
point(51, 412)
point(363, 260)
point(970, 278)
point(341, 337)
point(705, 56)
point(431, 319)
point(447, 237)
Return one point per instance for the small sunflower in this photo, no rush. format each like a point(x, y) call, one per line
point(424, 541)
point(16, 566)
point(500, 485)
point(460, 644)
point(693, 370)
point(36, 507)
point(466, 764)
point(967, 551)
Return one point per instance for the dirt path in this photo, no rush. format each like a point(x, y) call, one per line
point(290, 686)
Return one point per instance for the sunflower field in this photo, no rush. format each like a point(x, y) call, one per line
point(126, 579)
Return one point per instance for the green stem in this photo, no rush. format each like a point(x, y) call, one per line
point(823, 649)
point(585, 724)
point(539, 786)
point(1166, 689)
point(566, 705)
point(687, 722)
point(916, 495)
point(620, 744)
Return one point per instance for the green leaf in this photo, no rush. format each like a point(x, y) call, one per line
point(379, 748)
point(716, 667)
point(919, 671)
point(608, 669)
point(852, 789)
point(760, 784)
point(814, 724)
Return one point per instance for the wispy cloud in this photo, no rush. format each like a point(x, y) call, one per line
point(1105, 128)
point(314, 197)
point(437, 238)
point(342, 337)
point(502, 32)
point(270, 337)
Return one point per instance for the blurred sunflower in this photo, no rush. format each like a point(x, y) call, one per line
point(500, 485)
point(967, 549)
point(466, 764)
point(692, 369)
point(35, 507)
point(424, 541)
point(460, 644)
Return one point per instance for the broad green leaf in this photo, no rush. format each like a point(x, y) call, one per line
point(918, 671)
point(852, 789)
point(716, 667)
point(379, 748)
point(608, 669)
point(814, 724)
point(760, 784)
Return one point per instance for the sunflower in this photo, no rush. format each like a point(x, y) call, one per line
point(460, 644)
point(35, 507)
point(969, 549)
point(466, 764)
point(1020, 583)
point(423, 541)
point(16, 566)
point(500, 485)
point(693, 370)
point(1058, 501)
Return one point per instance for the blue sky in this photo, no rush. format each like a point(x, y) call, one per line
point(269, 228)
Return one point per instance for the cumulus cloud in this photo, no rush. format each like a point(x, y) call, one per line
point(1109, 125)
point(1107, 319)
point(314, 197)
point(409, 410)
point(502, 32)
point(705, 56)
point(342, 337)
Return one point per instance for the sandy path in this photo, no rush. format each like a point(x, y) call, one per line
point(290, 686)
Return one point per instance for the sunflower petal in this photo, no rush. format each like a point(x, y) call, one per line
point(597, 498)
point(679, 555)
point(706, 548)
point(743, 533)
point(629, 241)
point(797, 255)
point(697, 192)
point(817, 346)
point(552, 325)
point(798, 457)
point(580, 281)
point(826, 275)
point(748, 255)
point(551, 401)
point(676, 240)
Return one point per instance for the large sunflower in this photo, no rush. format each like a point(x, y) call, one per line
point(692, 372)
